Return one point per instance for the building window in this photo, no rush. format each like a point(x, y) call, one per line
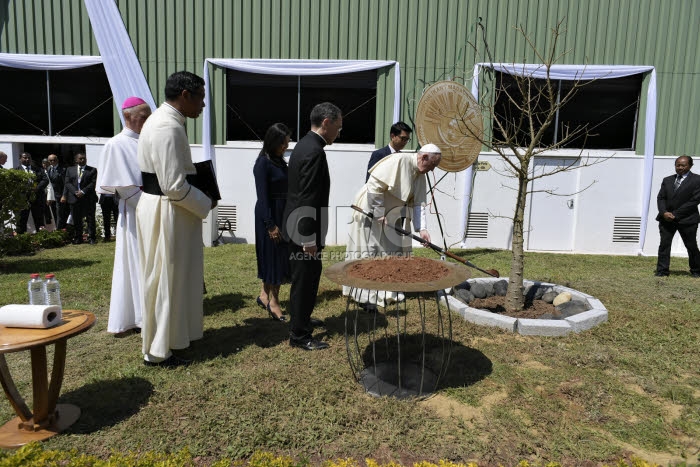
point(254, 102)
point(608, 108)
point(75, 102)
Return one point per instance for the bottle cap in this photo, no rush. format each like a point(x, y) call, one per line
point(50, 276)
point(35, 276)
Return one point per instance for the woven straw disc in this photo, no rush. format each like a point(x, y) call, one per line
point(449, 117)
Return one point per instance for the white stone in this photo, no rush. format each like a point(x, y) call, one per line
point(562, 298)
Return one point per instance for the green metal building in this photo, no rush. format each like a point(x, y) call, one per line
point(431, 40)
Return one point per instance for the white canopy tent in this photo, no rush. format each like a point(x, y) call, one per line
point(582, 72)
point(117, 54)
point(288, 67)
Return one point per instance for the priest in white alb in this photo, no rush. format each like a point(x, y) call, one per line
point(395, 194)
point(169, 226)
point(119, 174)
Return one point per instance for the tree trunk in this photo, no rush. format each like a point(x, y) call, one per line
point(515, 299)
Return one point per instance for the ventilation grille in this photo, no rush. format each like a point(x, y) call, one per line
point(626, 229)
point(478, 225)
point(227, 219)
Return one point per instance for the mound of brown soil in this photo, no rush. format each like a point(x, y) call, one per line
point(399, 269)
point(496, 304)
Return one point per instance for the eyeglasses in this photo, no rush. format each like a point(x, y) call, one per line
point(405, 139)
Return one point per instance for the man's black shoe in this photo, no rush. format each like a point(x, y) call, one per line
point(661, 274)
point(308, 344)
point(317, 323)
point(170, 362)
point(695, 274)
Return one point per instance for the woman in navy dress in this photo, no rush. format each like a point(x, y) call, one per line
point(270, 172)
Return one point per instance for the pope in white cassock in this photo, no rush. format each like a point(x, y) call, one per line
point(394, 192)
point(119, 174)
point(169, 226)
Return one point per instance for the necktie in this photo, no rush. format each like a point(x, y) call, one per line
point(80, 172)
point(677, 183)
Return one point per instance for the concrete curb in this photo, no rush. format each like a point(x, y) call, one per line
point(535, 327)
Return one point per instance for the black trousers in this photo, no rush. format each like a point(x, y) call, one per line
point(110, 209)
point(63, 212)
point(688, 234)
point(83, 209)
point(37, 210)
point(305, 271)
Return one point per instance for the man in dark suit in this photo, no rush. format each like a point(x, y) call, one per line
point(38, 191)
point(109, 205)
point(306, 220)
point(678, 202)
point(79, 193)
point(57, 176)
point(400, 135)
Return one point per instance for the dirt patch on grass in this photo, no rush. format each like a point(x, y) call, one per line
point(496, 304)
point(530, 364)
point(669, 410)
point(445, 407)
point(661, 458)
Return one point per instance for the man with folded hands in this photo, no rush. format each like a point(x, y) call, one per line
point(169, 225)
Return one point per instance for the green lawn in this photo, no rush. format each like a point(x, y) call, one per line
point(629, 386)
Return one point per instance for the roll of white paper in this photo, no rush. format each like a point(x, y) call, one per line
point(30, 316)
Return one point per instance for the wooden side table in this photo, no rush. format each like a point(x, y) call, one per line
point(48, 418)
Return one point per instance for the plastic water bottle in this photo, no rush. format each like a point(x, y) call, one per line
point(53, 290)
point(36, 290)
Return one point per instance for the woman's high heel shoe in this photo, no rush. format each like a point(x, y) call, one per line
point(260, 302)
point(275, 318)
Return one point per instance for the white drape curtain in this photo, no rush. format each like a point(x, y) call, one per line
point(292, 68)
point(47, 62)
point(123, 69)
point(117, 54)
point(582, 72)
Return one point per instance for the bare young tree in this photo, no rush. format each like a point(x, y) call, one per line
point(518, 136)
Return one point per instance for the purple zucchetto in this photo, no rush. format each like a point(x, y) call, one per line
point(132, 102)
